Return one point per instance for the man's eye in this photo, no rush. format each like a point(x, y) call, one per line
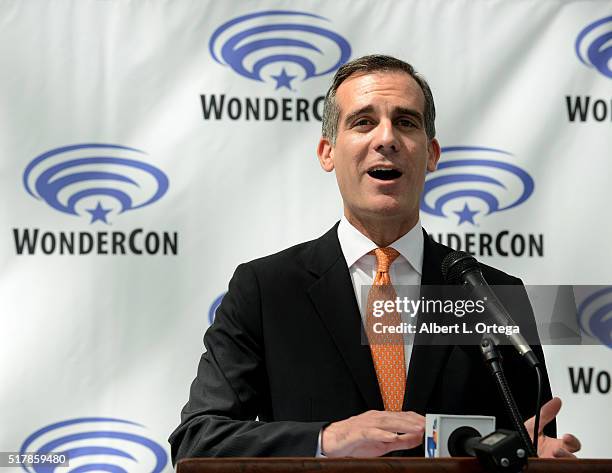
point(406, 122)
point(362, 122)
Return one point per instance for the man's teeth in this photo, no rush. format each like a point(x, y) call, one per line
point(384, 174)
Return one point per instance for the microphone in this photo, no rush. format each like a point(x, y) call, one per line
point(446, 434)
point(462, 268)
point(462, 442)
point(499, 451)
point(474, 436)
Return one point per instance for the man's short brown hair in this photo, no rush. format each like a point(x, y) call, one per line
point(370, 64)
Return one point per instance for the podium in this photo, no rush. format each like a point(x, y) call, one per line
point(376, 465)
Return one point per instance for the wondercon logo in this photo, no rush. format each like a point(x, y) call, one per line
point(97, 444)
point(595, 315)
point(94, 180)
point(280, 46)
point(473, 181)
point(594, 46)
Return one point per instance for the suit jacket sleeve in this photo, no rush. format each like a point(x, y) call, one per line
point(231, 391)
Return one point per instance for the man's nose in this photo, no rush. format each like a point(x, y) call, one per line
point(385, 140)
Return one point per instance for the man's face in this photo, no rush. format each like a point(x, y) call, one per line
point(381, 152)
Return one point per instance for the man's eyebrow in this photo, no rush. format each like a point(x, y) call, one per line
point(396, 112)
point(351, 116)
point(409, 111)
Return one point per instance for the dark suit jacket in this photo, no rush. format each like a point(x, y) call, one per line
point(285, 348)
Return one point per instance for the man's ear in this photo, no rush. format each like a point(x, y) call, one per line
point(434, 155)
point(325, 152)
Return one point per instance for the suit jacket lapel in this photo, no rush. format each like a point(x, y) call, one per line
point(427, 360)
point(334, 299)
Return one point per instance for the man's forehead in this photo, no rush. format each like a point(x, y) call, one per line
point(396, 87)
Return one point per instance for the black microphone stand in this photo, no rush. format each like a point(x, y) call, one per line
point(493, 360)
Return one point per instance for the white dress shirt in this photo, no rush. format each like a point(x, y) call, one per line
point(406, 270)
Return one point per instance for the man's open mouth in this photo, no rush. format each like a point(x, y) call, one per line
point(384, 174)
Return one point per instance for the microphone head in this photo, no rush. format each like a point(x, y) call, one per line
point(459, 438)
point(456, 264)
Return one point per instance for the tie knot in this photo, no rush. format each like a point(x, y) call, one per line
point(384, 258)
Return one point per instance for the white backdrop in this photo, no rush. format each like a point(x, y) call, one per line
point(94, 330)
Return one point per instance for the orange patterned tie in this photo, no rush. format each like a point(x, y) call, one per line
point(387, 349)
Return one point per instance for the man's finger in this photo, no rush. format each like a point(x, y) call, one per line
point(405, 415)
point(571, 443)
point(408, 441)
point(400, 422)
point(402, 427)
point(379, 435)
point(562, 453)
point(384, 442)
point(548, 412)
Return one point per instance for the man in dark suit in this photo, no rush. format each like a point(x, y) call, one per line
point(285, 372)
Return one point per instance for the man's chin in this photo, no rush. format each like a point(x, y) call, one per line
point(391, 210)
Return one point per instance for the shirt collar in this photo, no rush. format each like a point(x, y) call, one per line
point(355, 244)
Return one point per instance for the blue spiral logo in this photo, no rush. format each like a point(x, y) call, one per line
point(594, 46)
point(94, 179)
point(253, 45)
point(595, 315)
point(213, 308)
point(472, 180)
point(97, 444)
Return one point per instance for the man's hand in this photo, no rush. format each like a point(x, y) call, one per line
point(373, 434)
point(549, 447)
